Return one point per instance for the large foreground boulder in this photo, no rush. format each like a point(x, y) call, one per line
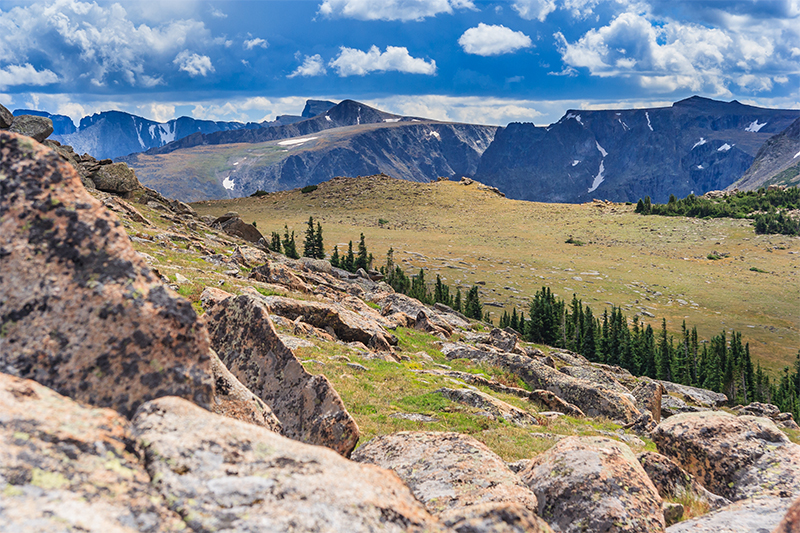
point(80, 310)
point(38, 128)
point(758, 515)
point(308, 407)
point(594, 484)
point(457, 478)
point(735, 457)
point(68, 467)
point(224, 475)
point(791, 521)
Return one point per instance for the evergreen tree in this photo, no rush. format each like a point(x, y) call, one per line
point(275, 242)
point(388, 269)
point(319, 245)
point(649, 353)
point(472, 305)
point(335, 260)
point(349, 262)
point(513, 321)
point(362, 261)
point(289, 246)
point(441, 293)
point(505, 320)
point(310, 242)
point(664, 354)
point(588, 348)
point(419, 289)
point(457, 302)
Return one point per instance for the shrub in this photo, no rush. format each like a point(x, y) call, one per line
point(308, 188)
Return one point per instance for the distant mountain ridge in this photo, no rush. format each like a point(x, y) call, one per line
point(777, 161)
point(694, 146)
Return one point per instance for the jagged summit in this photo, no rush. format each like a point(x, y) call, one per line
point(316, 107)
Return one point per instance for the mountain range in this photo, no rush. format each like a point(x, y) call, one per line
point(693, 146)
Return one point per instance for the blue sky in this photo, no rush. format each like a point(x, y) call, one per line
point(462, 60)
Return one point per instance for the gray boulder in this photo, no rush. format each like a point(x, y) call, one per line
point(225, 475)
point(759, 515)
point(6, 118)
point(117, 178)
point(498, 409)
point(39, 128)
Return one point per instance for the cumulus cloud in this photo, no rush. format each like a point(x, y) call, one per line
point(194, 64)
point(252, 43)
point(14, 75)
point(312, 66)
point(485, 40)
point(534, 9)
point(403, 10)
point(216, 13)
point(669, 55)
point(99, 43)
point(353, 62)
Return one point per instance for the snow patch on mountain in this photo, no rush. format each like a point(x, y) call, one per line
point(701, 142)
point(292, 142)
point(576, 117)
point(600, 148)
point(725, 147)
point(647, 114)
point(754, 126)
point(599, 178)
point(228, 183)
point(577, 162)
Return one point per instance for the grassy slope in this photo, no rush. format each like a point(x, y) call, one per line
point(468, 235)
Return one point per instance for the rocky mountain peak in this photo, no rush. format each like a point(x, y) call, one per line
point(316, 107)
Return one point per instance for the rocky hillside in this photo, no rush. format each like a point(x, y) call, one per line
point(349, 139)
point(777, 162)
point(694, 146)
point(127, 407)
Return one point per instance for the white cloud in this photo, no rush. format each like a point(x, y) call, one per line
point(353, 62)
point(252, 43)
point(157, 112)
point(312, 66)
point(485, 40)
point(216, 13)
point(403, 10)
point(666, 55)
point(100, 43)
point(14, 75)
point(534, 9)
point(193, 64)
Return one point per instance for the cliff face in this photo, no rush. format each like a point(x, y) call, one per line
point(777, 161)
point(696, 145)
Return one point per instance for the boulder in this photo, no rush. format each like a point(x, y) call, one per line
point(273, 272)
point(648, 397)
point(594, 484)
point(770, 411)
point(426, 321)
point(590, 399)
point(233, 225)
point(498, 409)
point(671, 406)
point(791, 521)
point(734, 456)
point(758, 515)
point(249, 257)
point(225, 475)
point(211, 296)
point(698, 396)
point(456, 477)
point(554, 403)
point(599, 377)
point(308, 407)
point(39, 128)
point(504, 341)
point(6, 118)
point(69, 467)
point(117, 178)
point(347, 325)
point(234, 400)
point(672, 482)
point(81, 311)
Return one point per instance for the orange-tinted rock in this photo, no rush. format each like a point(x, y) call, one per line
point(68, 467)
point(81, 311)
point(734, 456)
point(594, 484)
point(308, 407)
point(224, 475)
point(457, 478)
point(791, 521)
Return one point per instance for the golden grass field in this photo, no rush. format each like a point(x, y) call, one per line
point(656, 265)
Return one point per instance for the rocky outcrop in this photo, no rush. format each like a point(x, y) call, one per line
point(456, 477)
point(116, 178)
point(82, 312)
point(235, 226)
point(767, 410)
point(6, 118)
point(594, 484)
point(735, 457)
point(224, 475)
point(496, 409)
point(274, 272)
point(746, 516)
point(648, 395)
point(695, 395)
point(69, 467)
point(38, 128)
point(590, 399)
point(554, 403)
point(348, 326)
point(308, 407)
point(234, 400)
point(672, 482)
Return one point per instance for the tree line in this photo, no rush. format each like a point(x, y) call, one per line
point(766, 207)
point(721, 364)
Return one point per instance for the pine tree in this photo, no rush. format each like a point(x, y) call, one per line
point(419, 289)
point(310, 241)
point(275, 242)
point(664, 354)
point(335, 257)
point(289, 246)
point(362, 261)
point(350, 259)
point(513, 321)
point(472, 305)
point(505, 320)
point(649, 352)
point(319, 245)
point(457, 302)
point(588, 348)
